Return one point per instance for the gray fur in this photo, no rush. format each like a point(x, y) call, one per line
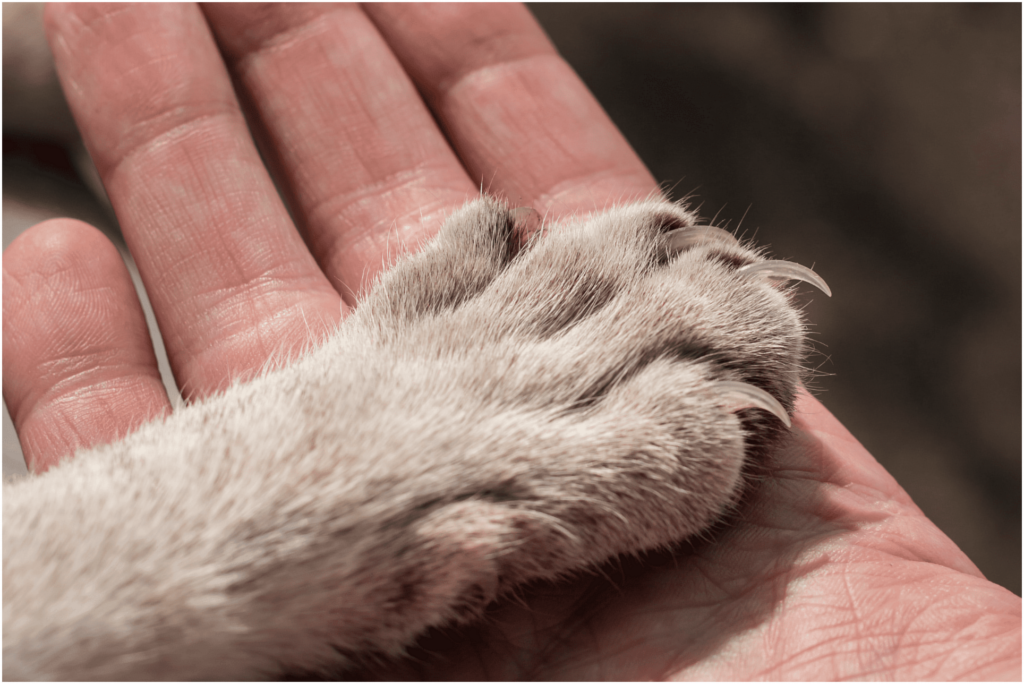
point(492, 412)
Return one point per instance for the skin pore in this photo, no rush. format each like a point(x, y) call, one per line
point(829, 570)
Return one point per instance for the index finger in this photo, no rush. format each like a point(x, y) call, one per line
point(518, 116)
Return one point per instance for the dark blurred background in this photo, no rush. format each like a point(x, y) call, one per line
point(879, 143)
point(882, 144)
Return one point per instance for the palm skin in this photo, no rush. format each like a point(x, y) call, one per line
point(827, 571)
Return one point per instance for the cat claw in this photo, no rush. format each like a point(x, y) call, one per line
point(528, 221)
point(786, 270)
point(680, 239)
point(524, 212)
point(737, 396)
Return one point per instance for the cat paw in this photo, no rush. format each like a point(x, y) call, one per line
point(501, 407)
point(612, 374)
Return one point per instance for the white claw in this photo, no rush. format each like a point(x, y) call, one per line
point(527, 220)
point(786, 270)
point(519, 212)
point(737, 396)
point(684, 238)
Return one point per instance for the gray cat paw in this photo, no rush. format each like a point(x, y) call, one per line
point(619, 368)
point(500, 407)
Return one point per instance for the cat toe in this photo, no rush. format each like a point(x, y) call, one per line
point(472, 248)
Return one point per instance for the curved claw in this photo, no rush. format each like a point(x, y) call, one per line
point(677, 240)
point(523, 211)
point(527, 221)
point(786, 270)
point(740, 395)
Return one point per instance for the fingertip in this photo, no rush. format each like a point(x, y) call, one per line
point(57, 237)
point(78, 364)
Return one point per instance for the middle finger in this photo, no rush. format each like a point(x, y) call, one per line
point(366, 168)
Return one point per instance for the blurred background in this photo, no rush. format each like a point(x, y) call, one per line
point(879, 143)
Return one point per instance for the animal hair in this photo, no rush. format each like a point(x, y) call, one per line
point(496, 410)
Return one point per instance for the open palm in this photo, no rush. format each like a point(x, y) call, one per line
point(376, 122)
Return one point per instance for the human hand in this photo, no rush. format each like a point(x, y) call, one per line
point(829, 569)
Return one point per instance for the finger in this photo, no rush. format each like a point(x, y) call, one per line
point(78, 363)
point(230, 280)
point(515, 112)
point(366, 169)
